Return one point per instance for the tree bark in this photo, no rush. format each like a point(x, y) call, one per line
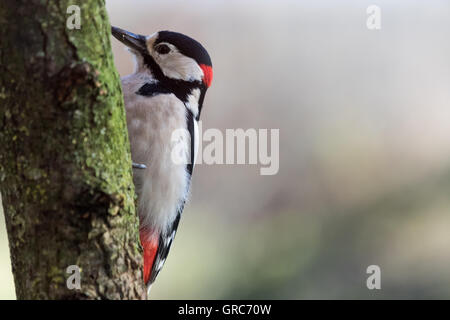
point(65, 166)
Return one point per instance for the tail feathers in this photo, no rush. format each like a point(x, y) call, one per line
point(156, 247)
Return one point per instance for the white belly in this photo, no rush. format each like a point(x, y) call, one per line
point(163, 187)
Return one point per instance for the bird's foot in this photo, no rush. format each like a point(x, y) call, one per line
point(139, 166)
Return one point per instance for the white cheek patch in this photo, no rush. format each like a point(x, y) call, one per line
point(177, 66)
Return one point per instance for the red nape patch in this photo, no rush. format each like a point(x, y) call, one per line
point(207, 74)
point(150, 245)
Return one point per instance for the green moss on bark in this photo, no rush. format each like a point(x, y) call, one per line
point(65, 167)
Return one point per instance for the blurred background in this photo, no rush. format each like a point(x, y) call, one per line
point(364, 119)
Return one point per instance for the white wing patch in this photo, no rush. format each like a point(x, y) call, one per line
point(196, 140)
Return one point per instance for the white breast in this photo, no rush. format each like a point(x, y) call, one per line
point(162, 187)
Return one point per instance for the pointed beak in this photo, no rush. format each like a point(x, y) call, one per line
point(131, 40)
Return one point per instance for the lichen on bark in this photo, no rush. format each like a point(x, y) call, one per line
point(65, 167)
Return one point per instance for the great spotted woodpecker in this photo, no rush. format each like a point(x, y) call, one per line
point(163, 94)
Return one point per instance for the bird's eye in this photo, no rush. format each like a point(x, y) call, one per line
point(162, 49)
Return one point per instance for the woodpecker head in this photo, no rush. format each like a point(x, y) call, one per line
point(169, 56)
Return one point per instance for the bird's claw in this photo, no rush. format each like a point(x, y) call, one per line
point(139, 166)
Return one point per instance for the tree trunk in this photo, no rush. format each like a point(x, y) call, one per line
point(65, 166)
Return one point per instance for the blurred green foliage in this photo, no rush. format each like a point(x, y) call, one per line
point(318, 255)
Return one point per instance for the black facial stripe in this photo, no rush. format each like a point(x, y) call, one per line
point(180, 88)
point(152, 89)
point(186, 45)
point(154, 67)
